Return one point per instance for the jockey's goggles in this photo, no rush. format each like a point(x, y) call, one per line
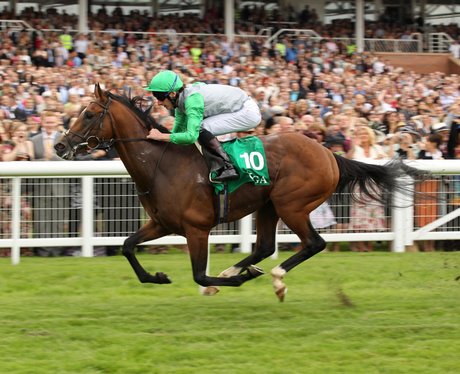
point(160, 96)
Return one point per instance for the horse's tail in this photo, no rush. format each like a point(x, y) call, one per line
point(374, 181)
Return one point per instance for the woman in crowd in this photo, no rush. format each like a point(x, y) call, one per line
point(366, 215)
point(402, 146)
point(15, 146)
point(21, 148)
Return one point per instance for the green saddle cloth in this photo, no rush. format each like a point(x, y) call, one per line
point(248, 157)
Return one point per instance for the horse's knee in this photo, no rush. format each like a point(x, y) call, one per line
point(201, 279)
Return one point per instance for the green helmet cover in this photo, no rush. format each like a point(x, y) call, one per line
point(165, 81)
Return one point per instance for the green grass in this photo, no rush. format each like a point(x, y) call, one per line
point(344, 313)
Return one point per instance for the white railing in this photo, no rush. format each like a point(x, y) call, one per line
point(15, 25)
point(292, 33)
point(412, 45)
point(401, 231)
point(436, 42)
point(439, 42)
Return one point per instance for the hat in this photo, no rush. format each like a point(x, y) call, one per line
point(367, 107)
point(410, 130)
point(277, 109)
point(165, 81)
point(438, 127)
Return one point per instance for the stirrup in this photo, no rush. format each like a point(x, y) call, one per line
point(210, 178)
point(228, 178)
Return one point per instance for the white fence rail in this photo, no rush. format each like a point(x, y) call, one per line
point(81, 183)
point(434, 42)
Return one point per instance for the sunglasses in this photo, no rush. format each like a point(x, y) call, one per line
point(160, 96)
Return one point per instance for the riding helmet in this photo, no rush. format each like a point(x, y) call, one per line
point(165, 81)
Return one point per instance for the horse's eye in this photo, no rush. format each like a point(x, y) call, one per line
point(89, 115)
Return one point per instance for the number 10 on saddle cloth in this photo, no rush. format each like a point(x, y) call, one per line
point(248, 156)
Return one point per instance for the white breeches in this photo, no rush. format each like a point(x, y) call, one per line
point(244, 120)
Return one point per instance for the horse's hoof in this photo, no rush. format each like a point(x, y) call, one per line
point(162, 278)
point(210, 290)
point(255, 271)
point(281, 293)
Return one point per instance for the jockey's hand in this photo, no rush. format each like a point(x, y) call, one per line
point(155, 134)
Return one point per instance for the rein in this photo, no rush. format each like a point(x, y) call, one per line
point(93, 142)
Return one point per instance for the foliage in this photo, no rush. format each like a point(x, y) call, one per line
point(344, 313)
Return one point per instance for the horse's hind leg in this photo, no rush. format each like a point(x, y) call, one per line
point(266, 221)
point(149, 231)
point(312, 243)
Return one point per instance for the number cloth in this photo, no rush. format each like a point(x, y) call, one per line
point(248, 156)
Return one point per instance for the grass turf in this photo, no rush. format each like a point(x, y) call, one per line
point(344, 313)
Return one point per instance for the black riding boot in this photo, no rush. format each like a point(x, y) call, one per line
point(216, 158)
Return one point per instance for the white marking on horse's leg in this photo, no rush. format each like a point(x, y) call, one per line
point(230, 272)
point(278, 274)
point(209, 291)
point(212, 290)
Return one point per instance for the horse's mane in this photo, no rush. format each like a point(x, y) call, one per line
point(135, 105)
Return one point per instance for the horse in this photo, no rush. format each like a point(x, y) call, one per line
point(175, 191)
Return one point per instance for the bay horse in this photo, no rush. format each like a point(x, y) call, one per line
point(173, 187)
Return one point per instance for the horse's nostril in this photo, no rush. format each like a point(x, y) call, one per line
point(59, 147)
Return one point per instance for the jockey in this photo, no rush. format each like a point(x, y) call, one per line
point(201, 112)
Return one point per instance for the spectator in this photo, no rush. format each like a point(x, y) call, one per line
point(49, 203)
point(21, 147)
point(442, 129)
point(426, 208)
point(80, 45)
point(402, 147)
point(17, 148)
point(454, 49)
point(366, 215)
point(66, 39)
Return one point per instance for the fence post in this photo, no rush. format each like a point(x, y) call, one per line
point(402, 205)
point(245, 232)
point(87, 213)
point(16, 220)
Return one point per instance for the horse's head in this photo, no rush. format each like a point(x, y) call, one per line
point(93, 128)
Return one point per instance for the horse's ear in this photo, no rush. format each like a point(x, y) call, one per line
point(98, 91)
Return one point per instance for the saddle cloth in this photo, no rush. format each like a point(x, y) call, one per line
point(248, 157)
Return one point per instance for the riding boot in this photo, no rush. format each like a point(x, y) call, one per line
point(216, 158)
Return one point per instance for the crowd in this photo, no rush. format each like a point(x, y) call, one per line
point(356, 104)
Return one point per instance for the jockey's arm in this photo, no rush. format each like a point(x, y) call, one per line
point(187, 125)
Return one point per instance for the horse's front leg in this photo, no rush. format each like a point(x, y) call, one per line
point(266, 221)
point(197, 241)
point(150, 231)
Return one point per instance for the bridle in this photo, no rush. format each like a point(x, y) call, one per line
point(93, 142)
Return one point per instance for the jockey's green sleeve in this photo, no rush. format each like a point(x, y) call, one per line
point(187, 125)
